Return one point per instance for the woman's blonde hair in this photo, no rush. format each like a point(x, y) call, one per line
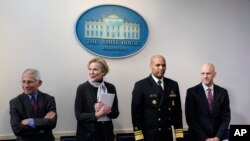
point(104, 65)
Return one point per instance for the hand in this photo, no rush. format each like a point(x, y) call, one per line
point(209, 139)
point(216, 139)
point(98, 106)
point(213, 139)
point(25, 122)
point(104, 110)
point(107, 110)
point(50, 115)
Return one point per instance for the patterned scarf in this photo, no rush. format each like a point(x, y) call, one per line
point(101, 88)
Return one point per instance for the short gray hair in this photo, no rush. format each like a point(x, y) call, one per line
point(33, 72)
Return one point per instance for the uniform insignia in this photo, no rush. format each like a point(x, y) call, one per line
point(153, 95)
point(173, 103)
point(172, 94)
point(154, 102)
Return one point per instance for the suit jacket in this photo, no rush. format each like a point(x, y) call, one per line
point(202, 122)
point(87, 125)
point(152, 116)
point(20, 108)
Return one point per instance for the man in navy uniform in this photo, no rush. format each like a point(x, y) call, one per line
point(156, 106)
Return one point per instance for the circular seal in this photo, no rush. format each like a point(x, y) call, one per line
point(112, 31)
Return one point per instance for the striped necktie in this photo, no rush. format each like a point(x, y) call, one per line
point(209, 98)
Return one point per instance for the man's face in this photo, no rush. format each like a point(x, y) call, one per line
point(30, 84)
point(207, 74)
point(158, 66)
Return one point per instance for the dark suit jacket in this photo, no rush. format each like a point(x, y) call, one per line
point(153, 116)
point(20, 108)
point(86, 97)
point(203, 123)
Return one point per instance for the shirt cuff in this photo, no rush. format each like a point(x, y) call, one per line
point(31, 122)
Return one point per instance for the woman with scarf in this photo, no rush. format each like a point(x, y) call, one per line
point(93, 116)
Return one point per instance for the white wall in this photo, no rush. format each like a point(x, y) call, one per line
point(41, 34)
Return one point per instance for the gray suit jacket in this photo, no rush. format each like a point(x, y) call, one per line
point(20, 108)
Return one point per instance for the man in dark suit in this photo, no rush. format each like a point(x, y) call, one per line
point(33, 113)
point(156, 106)
point(207, 108)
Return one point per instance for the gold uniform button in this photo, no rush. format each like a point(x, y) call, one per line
point(159, 119)
point(159, 129)
point(169, 128)
point(169, 118)
point(169, 109)
point(159, 109)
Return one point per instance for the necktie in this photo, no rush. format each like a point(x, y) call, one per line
point(34, 106)
point(209, 98)
point(160, 87)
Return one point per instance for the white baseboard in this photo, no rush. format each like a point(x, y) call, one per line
point(63, 133)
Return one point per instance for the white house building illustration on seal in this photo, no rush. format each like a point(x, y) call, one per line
point(112, 27)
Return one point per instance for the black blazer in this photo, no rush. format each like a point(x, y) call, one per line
point(85, 112)
point(20, 108)
point(203, 123)
point(153, 115)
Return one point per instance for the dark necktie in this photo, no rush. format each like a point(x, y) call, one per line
point(209, 98)
point(160, 87)
point(34, 106)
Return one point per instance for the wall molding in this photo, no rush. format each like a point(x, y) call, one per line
point(64, 133)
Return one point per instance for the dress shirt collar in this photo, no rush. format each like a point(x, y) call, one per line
point(30, 96)
point(206, 87)
point(156, 80)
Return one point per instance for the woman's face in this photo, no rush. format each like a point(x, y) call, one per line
point(95, 71)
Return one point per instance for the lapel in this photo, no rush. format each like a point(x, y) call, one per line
point(92, 97)
point(216, 96)
point(27, 105)
point(203, 96)
point(166, 90)
point(154, 87)
point(40, 100)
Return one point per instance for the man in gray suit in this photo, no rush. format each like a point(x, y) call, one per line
point(33, 113)
point(207, 108)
